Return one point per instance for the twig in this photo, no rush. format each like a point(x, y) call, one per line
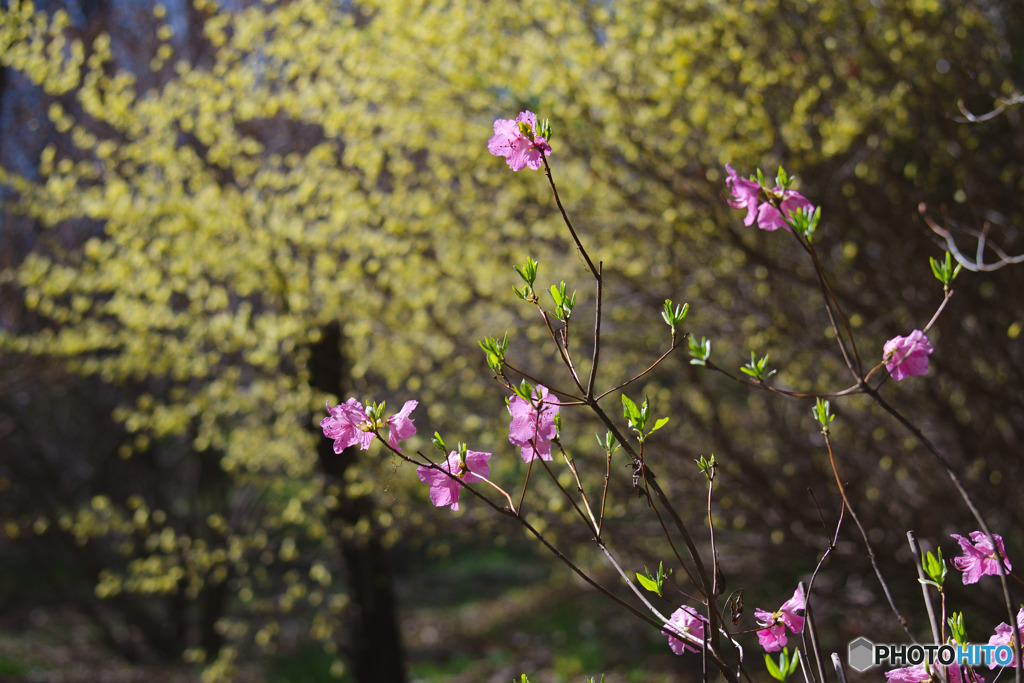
point(597, 331)
point(565, 217)
point(711, 531)
point(915, 547)
point(838, 664)
point(978, 263)
point(652, 366)
point(812, 632)
point(867, 544)
point(604, 491)
point(832, 540)
point(1001, 106)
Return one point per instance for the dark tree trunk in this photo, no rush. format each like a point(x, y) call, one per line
point(375, 647)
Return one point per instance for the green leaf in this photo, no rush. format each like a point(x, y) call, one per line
point(773, 668)
point(528, 271)
point(700, 350)
point(935, 568)
point(558, 295)
point(822, 413)
point(674, 315)
point(630, 411)
point(439, 443)
point(658, 425)
point(648, 583)
point(956, 628)
point(524, 390)
point(782, 179)
point(707, 466)
point(792, 663)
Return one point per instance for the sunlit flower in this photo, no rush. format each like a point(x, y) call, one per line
point(347, 425)
point(910, 674)
point(907, 356)
point(773, 636)
point(518, 141)
point(400, 425)
point(1004, 636)
point(746, 194)
point(920, 674)
point(979, 556)
point(770, 218)
point(446, 482)
point(686, 621)
point(532, 429)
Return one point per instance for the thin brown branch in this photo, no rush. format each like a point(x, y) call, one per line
point(597, 331)
point(652, 366)
point(867, 543)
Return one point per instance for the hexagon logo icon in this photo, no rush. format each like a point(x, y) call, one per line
point(860, 654)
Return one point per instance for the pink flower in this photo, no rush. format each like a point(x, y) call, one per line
point(1004, 636)
point(745, 194)
point(979, 558)
point(910, 674)
point(531, 429)
point(444, 489)
point(685, 621)
point(520, 147)
point(907, 356)
point(773, 636)
point(348, 425)
point(400, 425)
point(919, 674)
point(770, 218)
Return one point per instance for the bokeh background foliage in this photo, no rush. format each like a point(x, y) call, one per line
point(215, 218)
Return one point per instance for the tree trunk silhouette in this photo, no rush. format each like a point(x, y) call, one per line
point(375, 647)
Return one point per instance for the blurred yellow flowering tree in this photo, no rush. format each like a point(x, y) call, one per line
point(307, 209)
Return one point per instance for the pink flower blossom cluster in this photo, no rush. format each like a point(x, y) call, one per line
point(349, 423)
point(532, 429)
point(907, 356)
point(773, 634)
point(519, 142)
point(746, 194)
